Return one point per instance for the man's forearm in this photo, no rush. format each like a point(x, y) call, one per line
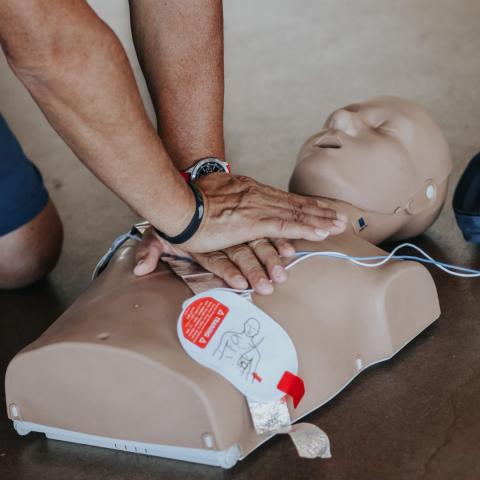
point(180, 47)
point(77, 71)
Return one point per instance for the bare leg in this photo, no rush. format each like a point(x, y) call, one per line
point(180, 48)
point(31, 251)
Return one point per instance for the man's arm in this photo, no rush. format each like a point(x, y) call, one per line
point(179, 44)
point(180, 48)
point(77, 71)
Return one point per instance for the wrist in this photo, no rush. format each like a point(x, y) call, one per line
point(175, 217)
point(193, 224)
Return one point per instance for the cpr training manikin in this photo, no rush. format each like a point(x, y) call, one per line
point(143, 365)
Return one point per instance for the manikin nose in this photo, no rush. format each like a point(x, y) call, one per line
point(346, 122)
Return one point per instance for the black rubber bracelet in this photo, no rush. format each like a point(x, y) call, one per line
point(195, 222)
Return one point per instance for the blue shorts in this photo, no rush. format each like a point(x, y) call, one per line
point(22, 193)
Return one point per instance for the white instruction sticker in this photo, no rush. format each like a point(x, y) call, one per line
point(230, 335)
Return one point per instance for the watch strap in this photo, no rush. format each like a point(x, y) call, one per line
point(186, 175)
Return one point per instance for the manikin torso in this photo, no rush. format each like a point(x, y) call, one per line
point(116, 350)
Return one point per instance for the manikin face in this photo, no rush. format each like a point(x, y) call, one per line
point(251, 327)
point(376, 155)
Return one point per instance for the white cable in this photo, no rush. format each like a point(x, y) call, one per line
point(364, 261)
point(367, 262)
point(383, 259)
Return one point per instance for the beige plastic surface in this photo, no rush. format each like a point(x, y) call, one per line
point(385, 159)
point(112, 364)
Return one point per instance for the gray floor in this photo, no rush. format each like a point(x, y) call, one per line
point(288, 64)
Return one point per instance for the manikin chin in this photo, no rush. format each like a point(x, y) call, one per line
point(111, 372)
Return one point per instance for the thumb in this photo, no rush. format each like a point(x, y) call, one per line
point(147, 262)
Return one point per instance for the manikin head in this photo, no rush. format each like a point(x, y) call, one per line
point(384, 160)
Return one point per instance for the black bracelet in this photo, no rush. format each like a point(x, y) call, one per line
point(195, 222)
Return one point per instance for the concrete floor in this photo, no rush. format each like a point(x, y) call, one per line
point(288, 64)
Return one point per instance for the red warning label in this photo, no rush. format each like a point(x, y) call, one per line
point(201, 320)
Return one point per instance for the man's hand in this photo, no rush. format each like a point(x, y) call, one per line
point(257, 264)
point(239, 209)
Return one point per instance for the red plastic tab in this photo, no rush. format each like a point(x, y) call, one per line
point(293, 386)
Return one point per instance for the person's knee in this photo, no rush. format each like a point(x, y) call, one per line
point(30, 252)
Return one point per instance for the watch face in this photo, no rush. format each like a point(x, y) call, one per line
point(207, 167)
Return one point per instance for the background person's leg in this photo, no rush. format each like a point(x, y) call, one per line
point(30, 228)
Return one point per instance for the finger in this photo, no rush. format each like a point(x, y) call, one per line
point(250, 266)
point(342, 217)
point(275, 198)
point(147, 261)
point(278, 227)
point(142, 251)
point(297, 207)
point(332, 227)
point(312, 205)
point(219, 264)
point(335, 222)
point(269, 257)
point(318, 217)
point(284, 247)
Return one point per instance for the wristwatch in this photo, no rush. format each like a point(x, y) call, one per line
point(204, 167)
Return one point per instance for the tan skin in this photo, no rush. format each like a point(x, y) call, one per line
point(78, 73)
point(34, 258)
point(191, 123)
